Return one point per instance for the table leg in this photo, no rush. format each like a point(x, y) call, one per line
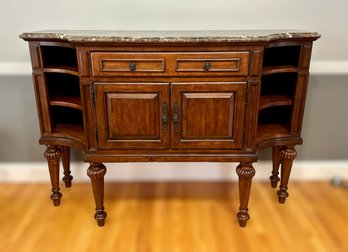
point(245, 173)
point(96, 172)
point(52, 154)
point(276, 164)
point(287, 155)
point(66, 166)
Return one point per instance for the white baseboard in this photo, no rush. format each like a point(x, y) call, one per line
point(322, 67)
point(302, 170)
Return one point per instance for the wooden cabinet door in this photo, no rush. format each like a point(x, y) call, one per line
point(132, 115)
point(208, 115)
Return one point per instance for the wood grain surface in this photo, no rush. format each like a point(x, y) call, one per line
point(165, 217)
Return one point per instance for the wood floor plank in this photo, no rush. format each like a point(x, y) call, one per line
point(174, 217)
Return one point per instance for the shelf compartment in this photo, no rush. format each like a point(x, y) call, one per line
point(59, 56)
point(61, 84)
point(270, 131)
point(282, 55)
point(66, 101)
point(274, 100)
point(275, 115)
point(66, 115)
point(69, 130)
point(279, 84)
point(279, 69)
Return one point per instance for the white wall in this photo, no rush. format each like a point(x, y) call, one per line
point(324, 129)
point(326, 17)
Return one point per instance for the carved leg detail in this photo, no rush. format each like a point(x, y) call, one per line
point(66, 165)
point(52, 154)
point(276, 163)
point(96, 173)
point(287, 154)
point(245, 173)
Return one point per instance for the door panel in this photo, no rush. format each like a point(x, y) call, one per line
point(137, 115)
point(209, 115)
point(131, 115)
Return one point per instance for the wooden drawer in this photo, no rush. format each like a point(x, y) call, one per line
point(212, 63)
point(172, 64)
point(114, 63)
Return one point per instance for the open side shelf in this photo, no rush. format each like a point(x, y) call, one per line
point(62, 69)
point(278, 56)
point(67, 121)
point(61, 57)
point(69, 131)
point(274, 100)
point(278, 86)
point(269, 131)
point(63, 90)
point(66, 101)
point(279, 69)
point(275, 115)
point(62, 84)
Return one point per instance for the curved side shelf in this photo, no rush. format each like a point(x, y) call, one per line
point(268, 131)
point(66, 101)
point(65, 135)
point(275, 134)
point(279, 69)
point(70, 130)
point(62, 69)
point(274, 100)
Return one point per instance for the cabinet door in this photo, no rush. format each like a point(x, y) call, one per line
point(208, 115)
point(132, 115)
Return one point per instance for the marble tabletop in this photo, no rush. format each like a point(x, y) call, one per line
point(167, 36)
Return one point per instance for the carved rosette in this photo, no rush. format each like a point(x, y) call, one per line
point(245, 170)
point(96, 171)
point(288, 152)
point(52, 153)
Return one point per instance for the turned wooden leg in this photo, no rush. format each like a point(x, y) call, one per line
point(287, 155)
point(245, 173)
point(52, 154)
point(66, 165)
point(276, 163)
point(96, 172)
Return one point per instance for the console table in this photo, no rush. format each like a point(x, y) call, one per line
point(177, 96)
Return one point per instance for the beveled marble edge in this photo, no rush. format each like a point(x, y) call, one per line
point(167, 36)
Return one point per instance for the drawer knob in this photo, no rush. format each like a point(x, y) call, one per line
point(132, 66)
point(207, 66)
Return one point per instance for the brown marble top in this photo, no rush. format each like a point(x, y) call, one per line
point(167, 36)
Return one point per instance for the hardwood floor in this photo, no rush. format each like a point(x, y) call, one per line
point(174, 217)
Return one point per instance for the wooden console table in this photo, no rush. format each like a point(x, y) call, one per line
point(127, 96)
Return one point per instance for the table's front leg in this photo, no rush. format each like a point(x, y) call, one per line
point(53, 154)
point(96, 172)
point(245, 173)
